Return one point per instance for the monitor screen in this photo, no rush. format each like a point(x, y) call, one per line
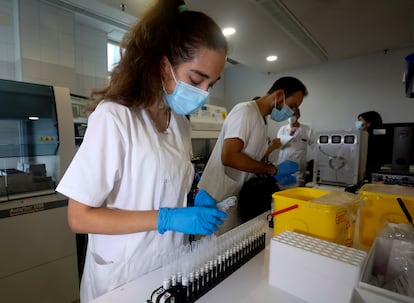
point(391, 145)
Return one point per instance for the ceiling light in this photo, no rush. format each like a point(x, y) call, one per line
point(271, 58)
point(33, 118)
point(228, 31)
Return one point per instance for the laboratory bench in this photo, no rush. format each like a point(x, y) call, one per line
point(307, 269)
point(247, 284)
point(250, 283)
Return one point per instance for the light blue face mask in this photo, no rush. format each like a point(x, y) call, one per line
point(185, 99)
point(358, 125)
point(282, 114)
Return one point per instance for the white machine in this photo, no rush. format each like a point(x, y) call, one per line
point(206, 123)
point(340, 157)
point(39, 254)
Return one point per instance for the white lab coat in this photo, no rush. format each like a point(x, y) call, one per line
point(125, 163)
point(295, 147)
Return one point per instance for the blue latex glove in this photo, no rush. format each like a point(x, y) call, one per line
point(196, 220)
point(203, 198)
point(285, 171)
point(287, 168)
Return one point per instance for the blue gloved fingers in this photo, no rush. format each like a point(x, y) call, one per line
point(203, 198)
point(287, 167)
point(207, 221)
point(190, 220)
point(213, 216)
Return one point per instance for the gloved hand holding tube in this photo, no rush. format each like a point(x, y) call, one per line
point(196, 220)
point(284, 172)
point(203, 198)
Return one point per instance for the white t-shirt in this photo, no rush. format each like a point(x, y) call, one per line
point(296, 148)
point(125, 163)
point(246, 123)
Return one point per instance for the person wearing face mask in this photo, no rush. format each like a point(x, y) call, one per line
point(243, 144)
point(128, 182)
point(366, 122)
point(298, 138)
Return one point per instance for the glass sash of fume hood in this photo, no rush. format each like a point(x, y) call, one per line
point(29, 139)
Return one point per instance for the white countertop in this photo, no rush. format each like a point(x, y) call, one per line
point(247, 284)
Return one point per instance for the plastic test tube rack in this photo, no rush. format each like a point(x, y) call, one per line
point(313, 269)
point(195, 269)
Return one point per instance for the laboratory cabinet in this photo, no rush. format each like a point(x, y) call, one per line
point(38, 254)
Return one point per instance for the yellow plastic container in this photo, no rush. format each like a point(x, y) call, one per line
point(380, 206)
point(334, 222)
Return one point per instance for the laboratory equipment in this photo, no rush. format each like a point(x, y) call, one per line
point(36, 145)
point(340, 157)
point(207, 121)
point(80, 111)
point(36, 138)
point(391, 154)
point(206, 124)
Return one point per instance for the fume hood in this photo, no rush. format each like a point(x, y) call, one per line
point(206, 123)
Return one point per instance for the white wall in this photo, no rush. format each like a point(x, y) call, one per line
point(8, 45)
point(46, 44)
point(338, 90)
point(56, 49)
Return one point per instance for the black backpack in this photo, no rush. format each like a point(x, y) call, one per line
point(255, 197)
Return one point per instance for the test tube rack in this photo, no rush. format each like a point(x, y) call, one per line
point(317, 271)
point(197, 268)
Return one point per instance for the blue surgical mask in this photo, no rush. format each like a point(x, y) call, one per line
point(282, 114)
point(358, 125)
point(185, 99)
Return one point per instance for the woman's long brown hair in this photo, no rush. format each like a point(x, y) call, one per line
point(164, 29)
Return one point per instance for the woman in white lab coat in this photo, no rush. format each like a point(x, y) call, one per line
point(128, 182)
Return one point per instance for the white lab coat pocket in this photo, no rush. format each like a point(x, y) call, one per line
point(101, 276)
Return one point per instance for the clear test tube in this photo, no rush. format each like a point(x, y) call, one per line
point(185, 262)
point(228, 256)
point(213, 260)
point(204, 262)
point(199, 268)
point(196, 270)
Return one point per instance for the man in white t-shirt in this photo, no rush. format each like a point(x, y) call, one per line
point(243, 143)
point(299, 138)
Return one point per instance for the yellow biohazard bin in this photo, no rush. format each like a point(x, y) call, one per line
point(327, 215)
point(381, 206)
